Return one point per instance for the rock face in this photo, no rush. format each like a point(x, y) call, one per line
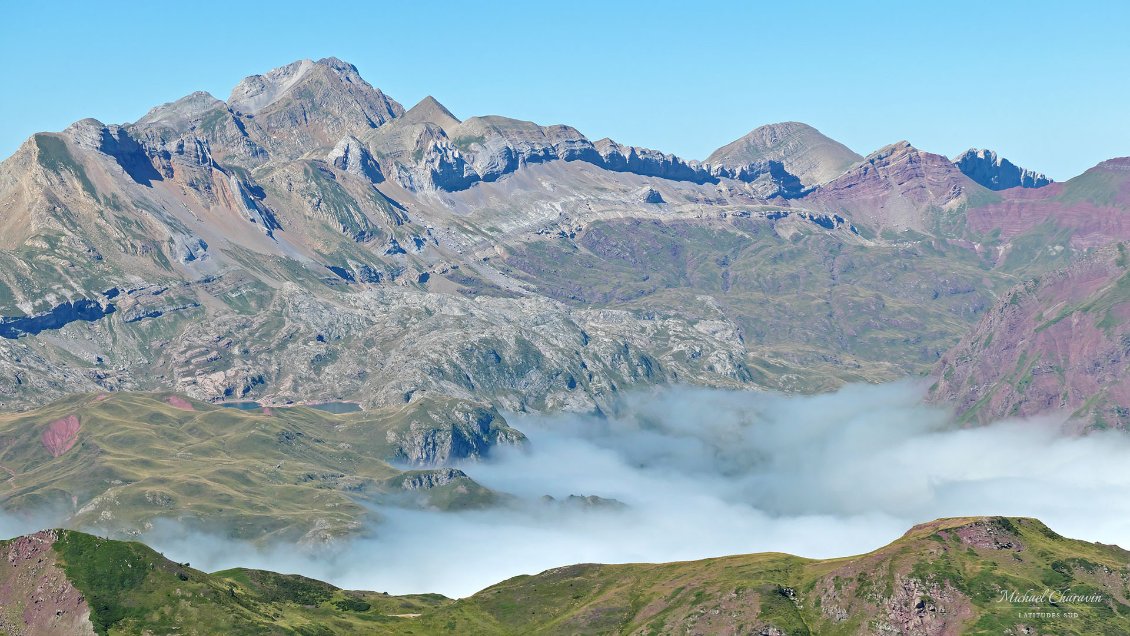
point(36, 596)
point(353, 157)
point(428, 479)
point(800, 148)
point(56, 318)
point(997, 173)
point(429, 148)
point(1054, 344)
point(648, 194)
point(471, 436)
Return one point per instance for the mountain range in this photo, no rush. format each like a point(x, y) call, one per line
point(310, 239)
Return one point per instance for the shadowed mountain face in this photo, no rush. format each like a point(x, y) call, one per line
point(802, 149)
point(951, 576)
point(309, 239)
point(997, 173)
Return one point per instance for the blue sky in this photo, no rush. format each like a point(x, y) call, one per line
point(1045, 84)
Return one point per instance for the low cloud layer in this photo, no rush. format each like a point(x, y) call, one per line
point(707, 472)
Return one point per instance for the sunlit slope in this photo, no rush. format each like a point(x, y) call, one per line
point(120, 462)
point(944, 577)
point(74, 583)
point(952, 576)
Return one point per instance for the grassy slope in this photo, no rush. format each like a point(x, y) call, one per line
point(931, 565)
point(131, 589)
point(942, 577)
point(258, 475)
point(852, 313)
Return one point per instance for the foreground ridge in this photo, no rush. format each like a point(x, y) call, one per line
point(999, 575)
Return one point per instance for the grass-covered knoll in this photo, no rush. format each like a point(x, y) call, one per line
point(291, 473)
point(943, 577)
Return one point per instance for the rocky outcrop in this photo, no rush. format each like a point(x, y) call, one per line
point(353, 157)
point(648, 194)
point(36, 596)
point(649, 163)
point(466, 432)
point(498, 146)
point(57, 317)
point(997, 173)
point(427, 479)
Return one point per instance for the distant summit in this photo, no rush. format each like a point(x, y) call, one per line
point(897, 188)
point(997, 173)
point(804, 151)
point(430, 111)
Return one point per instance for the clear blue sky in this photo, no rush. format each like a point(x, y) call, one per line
point(1045, 84)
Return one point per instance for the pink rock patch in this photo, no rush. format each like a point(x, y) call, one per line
point(61, 435)
point(179, 403)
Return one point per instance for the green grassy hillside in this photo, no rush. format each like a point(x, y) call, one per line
point(127, 588)
point(952, 576)
point(946, 577)
point(292, 473)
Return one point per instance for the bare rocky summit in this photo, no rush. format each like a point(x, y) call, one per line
point(801, 149)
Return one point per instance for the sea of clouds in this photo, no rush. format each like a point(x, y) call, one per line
point(706, 472)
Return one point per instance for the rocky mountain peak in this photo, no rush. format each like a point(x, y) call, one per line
point(177, 113)
point(256, 92)
point(895, 188)
point(898, 148)
point(339, 66)
point(803, 150)
point(997, 173)
point(430, 111)
point(308, 105)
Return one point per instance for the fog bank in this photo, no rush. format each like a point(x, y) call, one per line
point(705, 472)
